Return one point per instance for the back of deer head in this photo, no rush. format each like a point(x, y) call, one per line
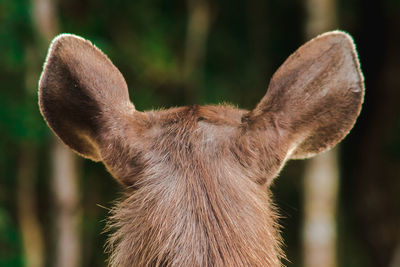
point(197, 178)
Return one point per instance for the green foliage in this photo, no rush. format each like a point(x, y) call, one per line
point(19, 117)
point(9, 241)
point(21, 121)
point(15, 29)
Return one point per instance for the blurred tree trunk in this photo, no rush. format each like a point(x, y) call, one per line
point(64, 175)
point(322, 172)
point(31, 230)
point(395, 260)
point(320, 201)
point(67, 208)
point(198, 28)
point(321, 17)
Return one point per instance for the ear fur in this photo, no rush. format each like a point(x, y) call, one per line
point(314, 98)
point(79, 91)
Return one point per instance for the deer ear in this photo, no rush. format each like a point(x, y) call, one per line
point(314, 98)
point(80, 93)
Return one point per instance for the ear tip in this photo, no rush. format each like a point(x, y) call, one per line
point(64, 47)
point(346, 45)
point(346, 40)
point(66, 37)
point(338, 36)
point(68, 43)
point(338, 33)
point(62, 44)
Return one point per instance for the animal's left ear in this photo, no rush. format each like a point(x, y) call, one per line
point(83, 97)
point(314, 98)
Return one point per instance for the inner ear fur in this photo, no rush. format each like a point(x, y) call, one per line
point(80, 91)
point(314, 98)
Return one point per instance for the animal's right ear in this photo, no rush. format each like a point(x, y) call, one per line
point(313, 99)
point(82, 95)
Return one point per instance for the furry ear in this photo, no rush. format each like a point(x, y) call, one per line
point(80, 94)
point(314, 98)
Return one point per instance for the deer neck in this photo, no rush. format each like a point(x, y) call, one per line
point(194, 216)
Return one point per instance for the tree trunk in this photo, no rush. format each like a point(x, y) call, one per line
point(64, 170)
point(198, 28)
point(320, 201)
point(67, 208)
point(322, 172)
point(32, 234)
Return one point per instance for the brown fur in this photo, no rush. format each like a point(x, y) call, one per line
point(196, 178)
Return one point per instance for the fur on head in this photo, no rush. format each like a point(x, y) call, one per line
point(197, 178)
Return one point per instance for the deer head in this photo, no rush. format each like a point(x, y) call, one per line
point(196, 178)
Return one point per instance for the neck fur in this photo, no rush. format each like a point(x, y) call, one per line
point(205, 221)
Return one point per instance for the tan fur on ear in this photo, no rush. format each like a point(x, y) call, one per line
point(78, 89)
point(314, 98)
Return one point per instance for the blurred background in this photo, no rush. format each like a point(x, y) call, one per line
point(53, 205)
